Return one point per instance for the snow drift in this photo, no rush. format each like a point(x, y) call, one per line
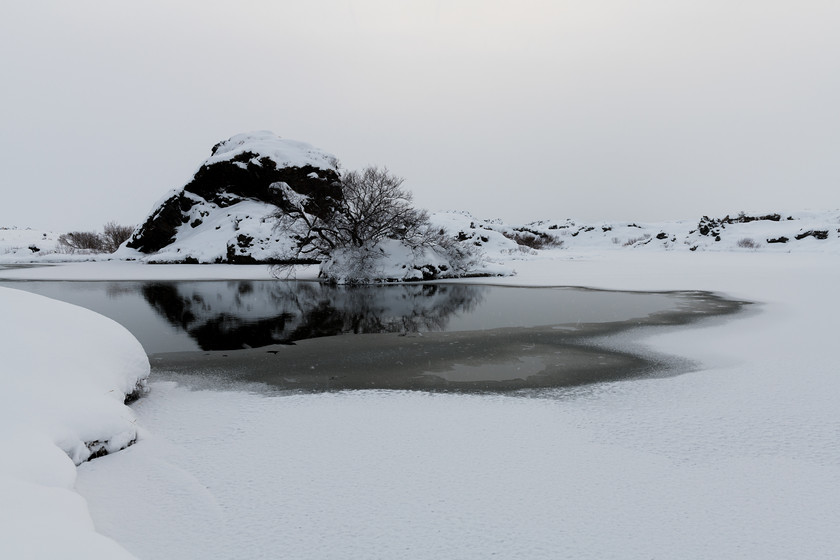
point(66, 374)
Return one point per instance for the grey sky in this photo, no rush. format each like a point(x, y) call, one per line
point(641, 110)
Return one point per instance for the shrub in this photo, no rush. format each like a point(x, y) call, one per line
point(634, 240)
point(114, 235)
point(81, 241)
point(747, 243)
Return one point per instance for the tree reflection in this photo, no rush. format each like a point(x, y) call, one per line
point(247, 314)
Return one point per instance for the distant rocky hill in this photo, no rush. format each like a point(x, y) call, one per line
point(222, 214)
point(776, 232)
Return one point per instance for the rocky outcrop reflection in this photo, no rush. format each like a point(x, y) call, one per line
point(232, 315)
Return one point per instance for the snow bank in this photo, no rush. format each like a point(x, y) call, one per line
point(65, 375)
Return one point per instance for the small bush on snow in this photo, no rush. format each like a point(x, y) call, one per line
point(747, 243)
point(634, 240)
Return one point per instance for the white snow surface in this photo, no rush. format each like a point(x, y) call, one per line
point(65, 372)
point(284, 152)
point(737, 459)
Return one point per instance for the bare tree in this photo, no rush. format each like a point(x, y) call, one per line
point(342, 233)
point(373, 207)
point(376, 207)
point(114, 235)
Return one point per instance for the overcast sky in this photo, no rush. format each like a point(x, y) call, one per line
point(528, 109)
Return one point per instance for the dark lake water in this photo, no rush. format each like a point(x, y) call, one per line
point(440, 337)
point(230, 315)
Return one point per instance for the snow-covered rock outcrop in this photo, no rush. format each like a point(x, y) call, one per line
point(222, 214)
point(228, 213)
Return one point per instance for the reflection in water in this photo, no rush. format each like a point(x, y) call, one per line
point(241, 314)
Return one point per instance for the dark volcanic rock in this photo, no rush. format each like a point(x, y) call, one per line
point(245, 167)
point(711, 226)
point(816, 234)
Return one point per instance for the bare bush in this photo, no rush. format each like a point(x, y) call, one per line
point(109, 241)
point(81, 241)
point(533, 239)
point(634, 240)
point(114, 235)
point(747, 243)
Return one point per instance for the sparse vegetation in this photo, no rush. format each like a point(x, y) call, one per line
point(81, 241)
point(114, 235)
point(747, 243)
point(634, 240)
point(109, 241)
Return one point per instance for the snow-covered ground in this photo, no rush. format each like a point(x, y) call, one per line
point(65, 372)
point(738, 459)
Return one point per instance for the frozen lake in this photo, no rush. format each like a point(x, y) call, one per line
point(416, 336)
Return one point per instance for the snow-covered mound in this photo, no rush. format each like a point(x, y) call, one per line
point(222, 214)
point(66, 373)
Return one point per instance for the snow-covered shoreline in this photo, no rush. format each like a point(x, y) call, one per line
point(66, 373)
point(737, 459)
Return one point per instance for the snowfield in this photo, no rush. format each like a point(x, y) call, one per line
point(737, 459)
